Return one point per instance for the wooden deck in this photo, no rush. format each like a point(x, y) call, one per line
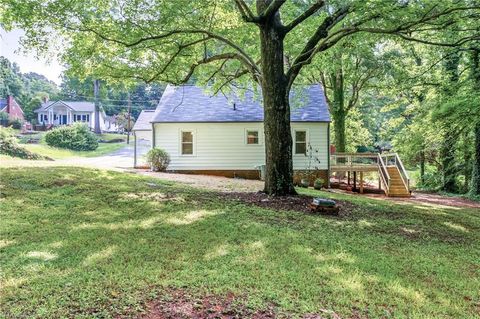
point(393, 178)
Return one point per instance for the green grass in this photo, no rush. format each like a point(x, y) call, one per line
point(87, 243)
point(61, 153)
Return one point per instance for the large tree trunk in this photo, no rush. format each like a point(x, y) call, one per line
point(339, 119)
point(278, 138)
point(339, 113)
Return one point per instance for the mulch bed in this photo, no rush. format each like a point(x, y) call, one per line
point(297, 203)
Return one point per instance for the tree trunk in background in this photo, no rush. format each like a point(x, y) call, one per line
point(339, 113)
point(467, 162)
point(96, 91)
point(475, 72)
point(422, 165)
point(475, 185)
point(450, 136)
point(278, 137)
point(449, 170)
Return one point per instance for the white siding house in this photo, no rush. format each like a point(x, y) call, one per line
point(67, 112)
point(224, 146)
point(224, 135)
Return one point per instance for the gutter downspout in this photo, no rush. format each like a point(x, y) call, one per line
point(134, 149)
point(328, 155)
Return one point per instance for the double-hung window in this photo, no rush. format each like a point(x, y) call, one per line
point(252, 137)
point(301, 142)
point(187, 142)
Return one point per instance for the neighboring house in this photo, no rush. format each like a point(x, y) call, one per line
point(12, 108)
point(142, 132)
point(68, 112)
point(111, 123)
point(217, 135)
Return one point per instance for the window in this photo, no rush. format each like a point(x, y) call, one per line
point(187, 143)
point(252, 137)
point(87, 118)
point(300, 142)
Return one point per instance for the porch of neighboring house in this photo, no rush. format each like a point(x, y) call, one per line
point(350, 170)
point(62, 115)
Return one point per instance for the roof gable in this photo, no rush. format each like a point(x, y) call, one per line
point(77, 106)
point(143, 122)
point(190, 103)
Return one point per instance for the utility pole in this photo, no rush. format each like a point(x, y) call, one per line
point(96, 90)
point(128, 118)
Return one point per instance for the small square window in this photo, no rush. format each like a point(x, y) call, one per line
point(300, 142)
point(187, 143)
point(252, 137)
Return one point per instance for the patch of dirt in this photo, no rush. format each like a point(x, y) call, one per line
point(180, 304)
point(297, 203)
point(63, 182)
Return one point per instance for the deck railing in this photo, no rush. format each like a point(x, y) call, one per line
point(372, 160)
point(354, 159)
point(383, 172)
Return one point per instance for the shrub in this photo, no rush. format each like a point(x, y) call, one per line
point(76, 137)
point(16, 124)
point(158, 159)
point(10, 146)
point(318, 183)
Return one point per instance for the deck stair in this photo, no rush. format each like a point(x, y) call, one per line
point(394, 180)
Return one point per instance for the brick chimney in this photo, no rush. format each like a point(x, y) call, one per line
point(45, 99)
point(10, 106)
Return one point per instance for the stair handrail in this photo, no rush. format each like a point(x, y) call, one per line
point(403, 172)
point(384, 173)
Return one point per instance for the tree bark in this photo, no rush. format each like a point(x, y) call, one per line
point(278, 137)
point(339, 113)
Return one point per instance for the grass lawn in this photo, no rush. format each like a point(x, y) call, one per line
point(61, 153)
point(87, 243)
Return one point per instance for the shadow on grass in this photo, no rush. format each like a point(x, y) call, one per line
point(104, 243)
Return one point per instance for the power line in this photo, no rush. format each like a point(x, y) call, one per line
point(114, 100)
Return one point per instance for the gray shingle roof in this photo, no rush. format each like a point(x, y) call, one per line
point(79, 106)
point(143, 123)
point(190, 103)
point(3, 104)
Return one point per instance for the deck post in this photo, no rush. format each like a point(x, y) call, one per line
point(354, 181)
point(361, 182)
point(348, 178)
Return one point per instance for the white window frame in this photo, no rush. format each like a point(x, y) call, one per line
point(251, 130)
point(295, 141)
point(180, 142)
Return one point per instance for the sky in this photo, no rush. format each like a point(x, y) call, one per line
point(10, 48)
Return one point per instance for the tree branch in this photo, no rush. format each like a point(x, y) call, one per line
point(245, 11)
point(272, 8)
point(305, 15)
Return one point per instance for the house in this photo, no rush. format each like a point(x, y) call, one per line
point(67, 112)
point(224, 135)
point(12, 108)
point(111, 124)
point(142, 132)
